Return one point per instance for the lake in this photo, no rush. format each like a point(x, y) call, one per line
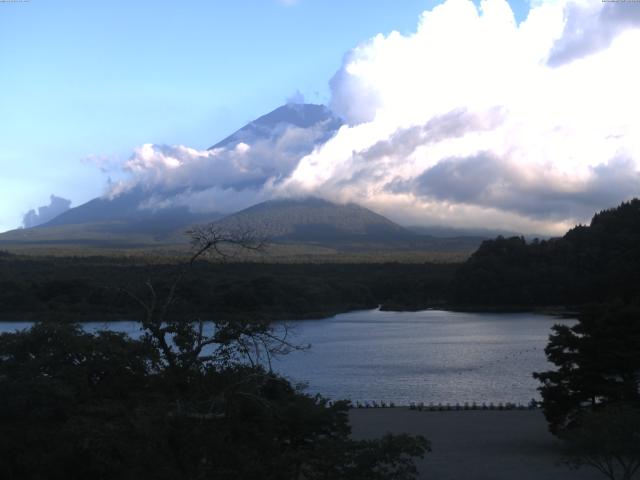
point(403, 357)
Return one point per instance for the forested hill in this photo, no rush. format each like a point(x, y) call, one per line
point(595, 263)
point(314, 219)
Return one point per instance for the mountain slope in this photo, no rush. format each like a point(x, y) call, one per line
point(342, 227)
point(126, 213)
point(314, 219)
point(291, 131)
point(156, 228)
point(125, 216)
point(291, 115)
point(126, 207)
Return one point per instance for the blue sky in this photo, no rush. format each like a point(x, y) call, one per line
point(81, 78)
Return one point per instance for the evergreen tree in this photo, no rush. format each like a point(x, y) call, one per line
point(598, 363)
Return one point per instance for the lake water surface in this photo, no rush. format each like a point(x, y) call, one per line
point(403, 357)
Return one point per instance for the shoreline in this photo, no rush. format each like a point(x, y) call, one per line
point(554, 311)
point(563, 311)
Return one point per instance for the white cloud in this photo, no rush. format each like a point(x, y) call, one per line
point(473, 120)
point(563, 137)
point(208, 180)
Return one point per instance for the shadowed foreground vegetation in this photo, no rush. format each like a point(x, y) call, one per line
point(178, 403)
point(75, 405)
point(592, 399)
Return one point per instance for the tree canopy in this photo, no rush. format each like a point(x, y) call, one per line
point(598, 363)
point(592, 399)
point(178, 403)
point(595, 263)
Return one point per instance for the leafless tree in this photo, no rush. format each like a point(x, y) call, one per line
point(183, 343)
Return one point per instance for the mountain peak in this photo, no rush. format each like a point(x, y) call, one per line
point(300, 115)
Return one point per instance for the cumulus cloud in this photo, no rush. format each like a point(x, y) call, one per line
point(477, 120)
point(472, 120)
point(219, 179)
point(488, 181)
point(57, 205)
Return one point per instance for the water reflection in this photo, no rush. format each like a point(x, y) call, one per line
point(404, 357)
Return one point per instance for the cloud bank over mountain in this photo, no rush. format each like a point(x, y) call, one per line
point(57, 205)
point(237, 172)
point(473, 120)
